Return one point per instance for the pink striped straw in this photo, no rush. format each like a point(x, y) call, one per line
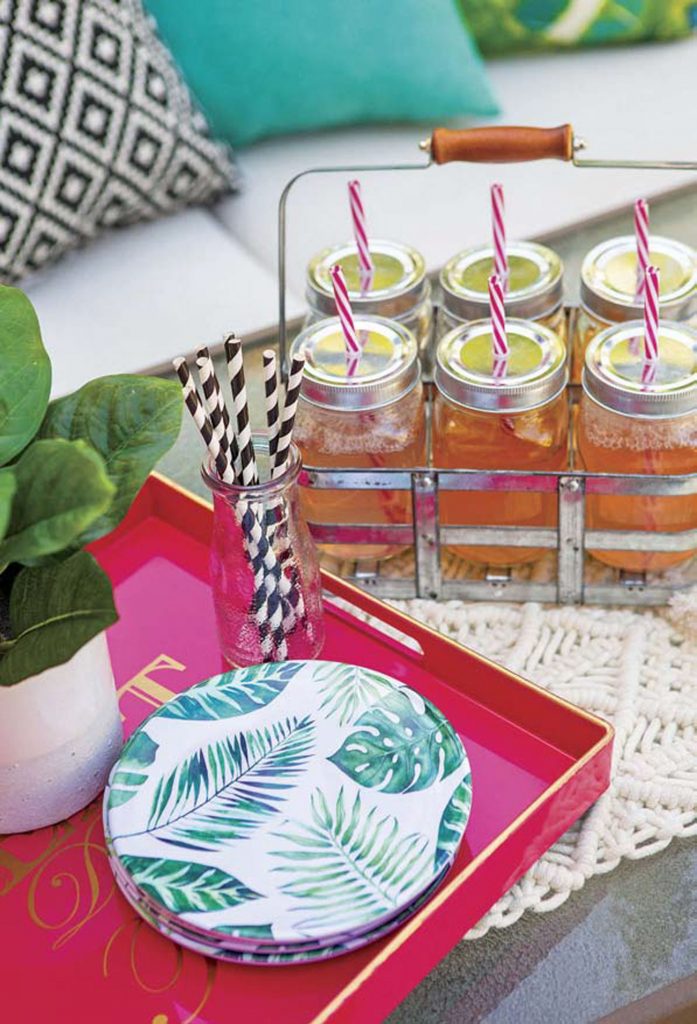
point(345, 313)
point(641, 233)
point(498, 317)
point(651, 315)
point(498, 226)
point(360, 233)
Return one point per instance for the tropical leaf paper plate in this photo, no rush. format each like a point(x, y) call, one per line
point(300, 802)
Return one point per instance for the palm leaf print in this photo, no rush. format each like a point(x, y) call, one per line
point(452, 824)
point(233, 693)
point(347, 688)
point(227, 789)
point(350, 866)
point(187, 888)
point(399, 746)
point(138, 754)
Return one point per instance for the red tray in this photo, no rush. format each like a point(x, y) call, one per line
point(75, 951)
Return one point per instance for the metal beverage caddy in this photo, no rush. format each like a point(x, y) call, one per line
point(570, 538)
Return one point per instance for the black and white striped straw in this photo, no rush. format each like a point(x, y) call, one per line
point(203, 425)
point(290, 406)
point(235, 363)
point(215, 407)
point(273, 420)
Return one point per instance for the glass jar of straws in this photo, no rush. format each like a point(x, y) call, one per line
point(264, 567)
point(611, 292)
point(494, 412)
point(640, 416)
point(366, 416)
point(265, 575)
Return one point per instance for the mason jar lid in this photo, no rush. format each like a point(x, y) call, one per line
point(616, 376)
point(399, 280)
point(387, 370)
point(535, 370)
point(535, 279)
point(609, 279)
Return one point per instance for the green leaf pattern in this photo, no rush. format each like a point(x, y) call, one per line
point(138, 754)
point(349, 688)
point(232, 694)
point(184, 887)
point(453, 822)
point(400, 745)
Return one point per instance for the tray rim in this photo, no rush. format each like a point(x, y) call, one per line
point(158, 483)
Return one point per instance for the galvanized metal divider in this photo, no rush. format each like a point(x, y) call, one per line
point(428, 535)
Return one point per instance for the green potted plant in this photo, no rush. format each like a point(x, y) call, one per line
point(69, 470)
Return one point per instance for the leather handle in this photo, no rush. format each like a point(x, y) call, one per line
point(502, 144)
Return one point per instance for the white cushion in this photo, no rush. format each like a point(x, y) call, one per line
point(629, 102)
point(139, 296)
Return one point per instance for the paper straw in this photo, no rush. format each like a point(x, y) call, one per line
point(215, 407)
point(240, 408)
point(651, 290)
point(498, 229)
point(344, 311)
point(360, 233)
point(498, 317)
point(641, 233)
point(193, 404)
point(271, 400)
point(285, 434)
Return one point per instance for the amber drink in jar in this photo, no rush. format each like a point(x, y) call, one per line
point(397, 289)
point(534, 292)
point(640, 418)
point(371, 417)
point(517, 421)
point(609, 293)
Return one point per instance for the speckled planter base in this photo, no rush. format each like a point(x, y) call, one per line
point(60, 733)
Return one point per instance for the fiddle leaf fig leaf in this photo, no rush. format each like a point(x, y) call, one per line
point(131, 421)
point(54, 611)
point(61, 487)
point(7, 490)
point(25, 373)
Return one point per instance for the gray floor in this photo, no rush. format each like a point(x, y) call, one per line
point(625, 934)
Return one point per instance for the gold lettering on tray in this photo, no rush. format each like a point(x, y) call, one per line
point(150, 690)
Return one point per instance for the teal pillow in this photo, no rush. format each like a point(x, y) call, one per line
point(267, 67)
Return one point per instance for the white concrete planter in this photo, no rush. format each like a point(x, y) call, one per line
point(60, 733)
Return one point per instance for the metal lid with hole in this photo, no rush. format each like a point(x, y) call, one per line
point(399, 280)
point(534, 283)
point(616, 375)
point(609, 279)
point(467, 373)
point(388, 367)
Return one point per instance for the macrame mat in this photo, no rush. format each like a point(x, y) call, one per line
point(635, 669)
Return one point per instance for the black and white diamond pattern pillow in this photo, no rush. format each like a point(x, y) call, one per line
point(97, 128)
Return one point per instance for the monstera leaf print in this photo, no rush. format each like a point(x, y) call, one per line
point(399, 746)
point(347, 687)
point(452, 824)
point(138, 754)
point(227, 789)
point(350, 866)
point(232, 694)
point(184, 888)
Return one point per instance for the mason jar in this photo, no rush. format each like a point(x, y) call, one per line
point(635, 419)
point(399, 289)
point(609, 289)
point(371, 419)
point(535, 284)
point(518, 421)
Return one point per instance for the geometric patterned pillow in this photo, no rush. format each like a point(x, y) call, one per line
point(97, 128)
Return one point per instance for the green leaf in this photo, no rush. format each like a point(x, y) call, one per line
point(7, 490)
point(25, 373)
point(453, 822)
point(227, 789)
point(246, 931)
point(233, 693)
point(347, 688)
point(54, 611)
point(349, 867)
point(61, 487)
point(131, 421)
point(139, 753)
point(185, 888)
point(399, 746)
